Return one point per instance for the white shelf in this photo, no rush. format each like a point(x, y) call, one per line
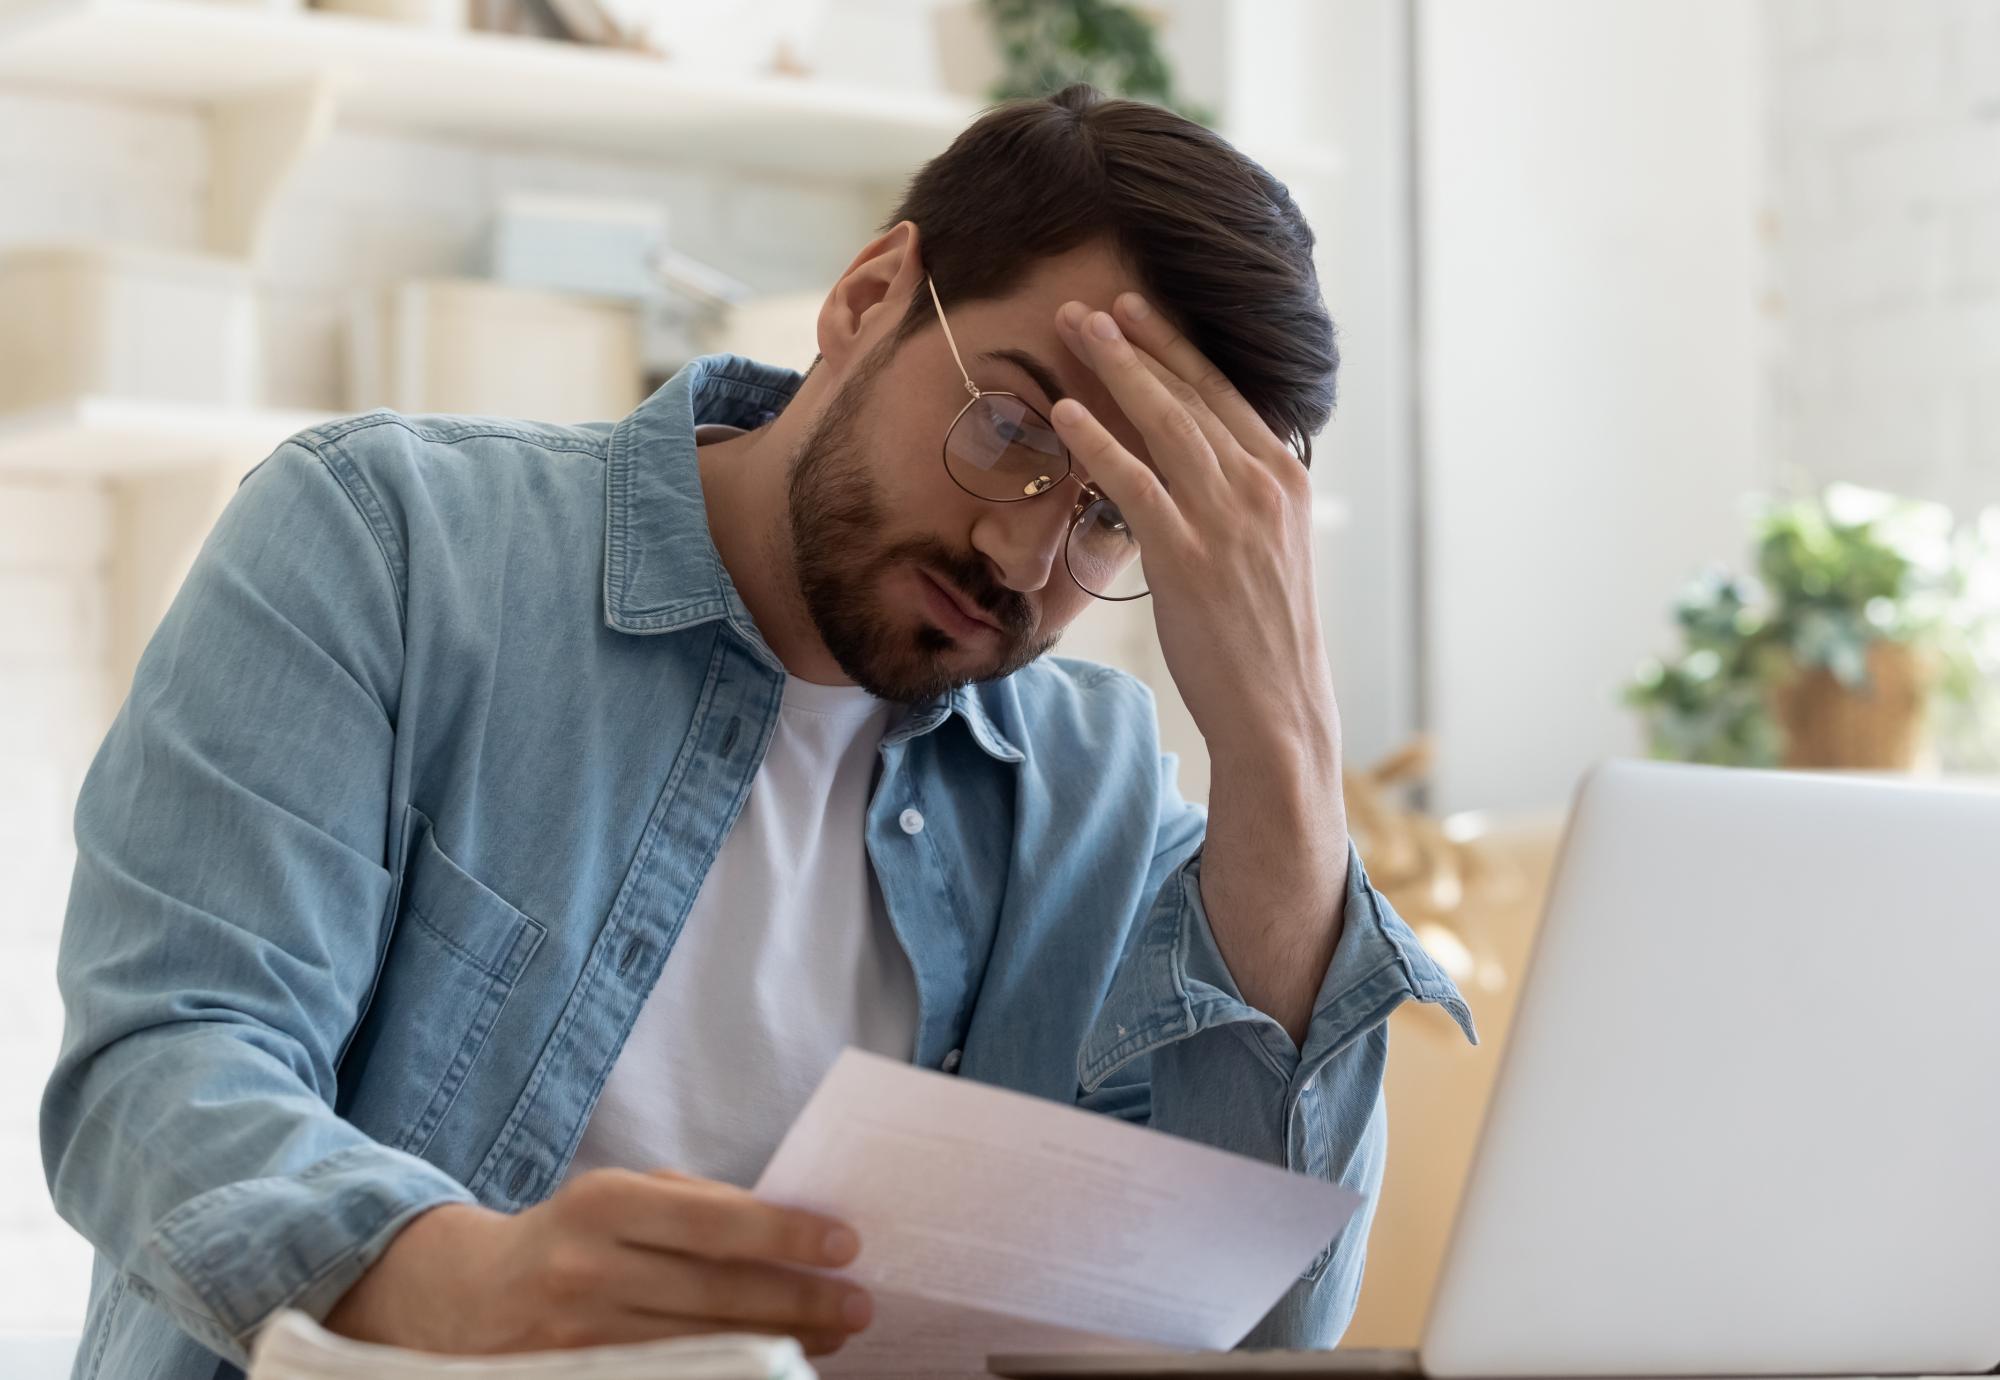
point(114, 437)
point(474, 84)
point(499, 86)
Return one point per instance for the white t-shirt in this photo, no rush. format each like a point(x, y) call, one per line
point(786, 956)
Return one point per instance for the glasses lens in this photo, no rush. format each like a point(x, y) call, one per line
point(1104, 555)
point(1001, 449)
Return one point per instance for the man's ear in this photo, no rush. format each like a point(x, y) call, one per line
point(870, 297)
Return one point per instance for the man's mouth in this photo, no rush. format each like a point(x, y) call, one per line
point(958, 615)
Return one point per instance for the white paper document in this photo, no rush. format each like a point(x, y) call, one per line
point(294, 1347)
point(992, 1221)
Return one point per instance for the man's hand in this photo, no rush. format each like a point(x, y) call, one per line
point(1224, 522)
point(614, 1256)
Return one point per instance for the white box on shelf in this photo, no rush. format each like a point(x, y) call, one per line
point(599, 245)
point(489, 349)
point(444, 16)
point(125, 321)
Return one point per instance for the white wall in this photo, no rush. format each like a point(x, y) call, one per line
point(1588, 281)
point(54, 702)
point(1885, 154)
point(1368, 574)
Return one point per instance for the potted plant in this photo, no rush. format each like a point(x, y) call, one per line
point(1868, 624)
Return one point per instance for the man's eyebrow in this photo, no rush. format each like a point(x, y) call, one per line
point(1044, 377)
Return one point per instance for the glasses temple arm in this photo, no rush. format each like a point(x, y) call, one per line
point(970, 386)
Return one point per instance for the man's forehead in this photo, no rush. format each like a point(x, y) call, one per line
point(1091, 274)
point(1023, 322)
point(1094, 277)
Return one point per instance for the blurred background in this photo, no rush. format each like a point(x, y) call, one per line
point(1667, 423)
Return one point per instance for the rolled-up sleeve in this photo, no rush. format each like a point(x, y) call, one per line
point(1177, 1046)
point(225, 924)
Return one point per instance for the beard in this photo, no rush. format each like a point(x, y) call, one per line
point(839, 555)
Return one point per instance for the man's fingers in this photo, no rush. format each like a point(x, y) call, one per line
point(768, 1296)
point(705, 1218)
point(1070, 323)
point(734, 1225)
point(1150, 331)
point(1180, 433)
point(1125, 479)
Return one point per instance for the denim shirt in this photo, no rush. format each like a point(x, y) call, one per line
point(414, 788)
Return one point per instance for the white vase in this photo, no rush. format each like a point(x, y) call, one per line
point(968, 52)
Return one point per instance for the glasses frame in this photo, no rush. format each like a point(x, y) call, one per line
point(1088, 494)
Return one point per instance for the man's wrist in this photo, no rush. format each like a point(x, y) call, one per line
point(1295, 777)
point(411, 1295)
point(1299, 740)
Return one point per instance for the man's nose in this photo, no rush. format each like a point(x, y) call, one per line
point(1025, 540)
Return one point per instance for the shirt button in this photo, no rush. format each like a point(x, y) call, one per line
point(950, 1064)
point(912, 821)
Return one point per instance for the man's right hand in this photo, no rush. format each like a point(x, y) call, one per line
point(614, 1256)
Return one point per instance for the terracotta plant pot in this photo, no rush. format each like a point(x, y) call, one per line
point(1881, 726)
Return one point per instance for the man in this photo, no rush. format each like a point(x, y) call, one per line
point(509, 823)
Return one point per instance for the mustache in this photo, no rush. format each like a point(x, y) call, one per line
point(974, 579)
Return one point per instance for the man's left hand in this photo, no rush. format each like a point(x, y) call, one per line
point(1224, 521)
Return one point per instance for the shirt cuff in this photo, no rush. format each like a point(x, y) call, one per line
point(1174, 983)
point(225, 1261)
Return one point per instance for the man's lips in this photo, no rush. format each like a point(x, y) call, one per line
point(969, 617)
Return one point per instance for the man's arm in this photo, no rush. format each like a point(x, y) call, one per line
point(224, 921)
point(1222, 508)
point(230, 902)
point(1262, 1021)
point(1274, 868)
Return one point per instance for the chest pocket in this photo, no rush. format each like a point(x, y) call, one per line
point(455, 954)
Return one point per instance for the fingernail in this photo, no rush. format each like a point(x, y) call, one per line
point(1135, 306)
point(1069, 412)
point(1103, 327)
point(855, 1310)
point(1072, 315)
point(840, 1243)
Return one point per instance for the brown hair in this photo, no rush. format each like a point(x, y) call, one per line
point(1213, 238)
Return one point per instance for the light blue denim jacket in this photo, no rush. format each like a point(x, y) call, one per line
point(414, 788)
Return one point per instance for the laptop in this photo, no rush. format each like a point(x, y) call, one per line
point(1748, 1119)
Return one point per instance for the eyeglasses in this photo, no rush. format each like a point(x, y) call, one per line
point(1001, 449)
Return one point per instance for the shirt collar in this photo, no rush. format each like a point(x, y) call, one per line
point(661, 569)
point(973, 703)
point(662, 572)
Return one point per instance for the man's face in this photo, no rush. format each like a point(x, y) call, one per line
point(891, 554)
